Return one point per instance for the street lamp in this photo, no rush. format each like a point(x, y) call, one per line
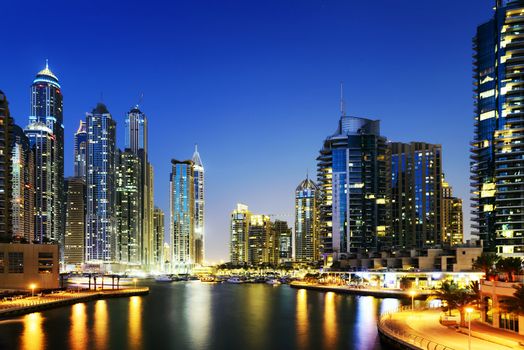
point(134, 281)
point(469, 310)
point(412, 293)
point(32, 286)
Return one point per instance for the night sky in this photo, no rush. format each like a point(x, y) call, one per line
point(255, 83)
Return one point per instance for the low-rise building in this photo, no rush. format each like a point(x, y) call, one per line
point(493, 294)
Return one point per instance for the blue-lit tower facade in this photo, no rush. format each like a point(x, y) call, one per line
point(80, 155)
point(199, 231)
point(182, 206)
point(307, 240)
point(100, 180)
point(353, 177)
point(497, 147)
point(46, 126)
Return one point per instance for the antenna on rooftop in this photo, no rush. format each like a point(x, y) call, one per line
point(342, 103)
point(140, 98)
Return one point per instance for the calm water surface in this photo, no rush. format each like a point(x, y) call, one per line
point(195, 315)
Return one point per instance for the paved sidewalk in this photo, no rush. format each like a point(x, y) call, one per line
point(426, 324)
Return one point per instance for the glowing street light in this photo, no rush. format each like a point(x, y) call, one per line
point(134, 281)
point(469, 310)
point(412, 293)
point(32, 286)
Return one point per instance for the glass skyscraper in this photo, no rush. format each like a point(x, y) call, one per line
point(101, 240)
point(239, 234)
point(6, 129)
point(496, 166)
point(74, 241)
point(307, 202)
point(198, 171)
point(80, 150)
point(158, 239)
point(353, 176)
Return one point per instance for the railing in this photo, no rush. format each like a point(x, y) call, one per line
point(402, 335)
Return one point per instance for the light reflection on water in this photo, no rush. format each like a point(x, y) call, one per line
point(135, 322)
point(198, 313)
point(101, 324)
point(78, 331)
point(330, 321)
point(33, 337)
point(302, 319)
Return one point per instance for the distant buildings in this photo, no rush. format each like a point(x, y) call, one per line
point(496, 158)
point(259, 236)
point(452, 217)
point(284, 242)
point(74, 247)
point(158, 239)
point(307, 240)
point(101, 240)
point(239, 235)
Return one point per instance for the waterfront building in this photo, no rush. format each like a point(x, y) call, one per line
point(452, 217)
point(239, 239)
point(22, 196)
point(75, 222)
point(136, 142)
point(6, 133)
point(416, 194)
point(284, 242)
point(24, 264)
point(47, 110)
point(80, 154)
point(128, 208)
point(496, 162)
point(494, 294)
point(158, 238)
point(353, 176)
point(101, 237)
point(259, 236)
point(45, 220)
point(182, 205)
point(199, 231)
point(307, 201)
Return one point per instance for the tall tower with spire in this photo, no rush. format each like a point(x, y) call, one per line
point(80, 150)
point(47, 116)
point(199, 231)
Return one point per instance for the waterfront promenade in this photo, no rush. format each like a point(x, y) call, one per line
point(20, 306)
point(421, 329)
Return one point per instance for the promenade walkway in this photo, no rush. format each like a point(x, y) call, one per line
point(422, 330)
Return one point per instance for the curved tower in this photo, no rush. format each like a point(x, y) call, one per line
point(306, 222)
point(199, 233)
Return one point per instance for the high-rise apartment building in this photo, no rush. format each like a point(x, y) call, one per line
point(353, 176)
point(47, 110)
point(6, 133)
point(158, 238)
point(22, 197)
point(239, 235)
point(182, 205)
point(496, 166)
point(80, 154)
point(199, 232)
point(101, 240)
point(307, 240)
point(260, 234)
point(74, 239)
point(416, 194)
point(452, 217)
point(284, 242)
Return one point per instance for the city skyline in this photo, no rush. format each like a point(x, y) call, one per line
point(402, 121)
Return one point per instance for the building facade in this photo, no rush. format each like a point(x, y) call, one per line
point(416, 194)
point(307, 240)
point(6, 134)
point(158, 239)
point(452, 217)
point(284, 242)
point(198, 171)
point(182, 205)
point(496, 162)
point(260, 234)
point(239, 235)
point(80, 154)
point(101, 240)
point(74, 240)
point(353, 176)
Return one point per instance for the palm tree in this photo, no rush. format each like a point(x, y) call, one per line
point(474, 287)
point(455, 298)
point(485, 262)
point(510, 266)
point(516, 303)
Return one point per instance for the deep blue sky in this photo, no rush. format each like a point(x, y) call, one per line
point(254, 83)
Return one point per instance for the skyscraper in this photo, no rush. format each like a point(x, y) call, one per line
point(74, 240)
point(198, 170)
point(100, 218)
point(307, 201)
point(6, 129)
point(158, 239)
point(239, 230)
point(496, 166)
point(284, 242)
point(353, 172)
point(416, 194)
point(182, 205)
point(80, 150)
point(128, 208)
point(47, 109)
point(45, 221)
point(259, 233)
point(22, 199)
point(452, 218)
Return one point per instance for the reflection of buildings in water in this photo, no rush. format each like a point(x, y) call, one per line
point(33, 337)
point(365, 322)
point(197, 313)
point(135, 322)
point(257, 301)
point(302, 319)
point(101, 325)
point(330, 321)
point(78, 332)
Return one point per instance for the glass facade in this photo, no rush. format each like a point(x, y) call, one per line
point(80, 151)
point(240, 218)
point(307, 201)
point(6, 129)
point(199, 182)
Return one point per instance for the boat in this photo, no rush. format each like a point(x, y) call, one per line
point(273, 281)
point(208, 279)
point(234, 280)
point(163, 278)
